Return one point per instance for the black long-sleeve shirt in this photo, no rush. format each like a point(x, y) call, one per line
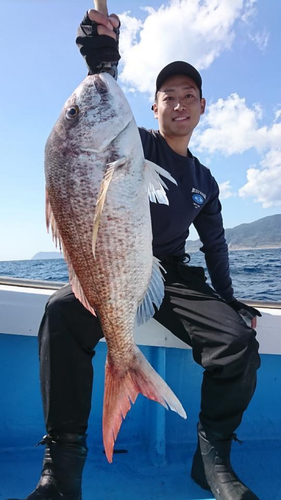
point(193, 201)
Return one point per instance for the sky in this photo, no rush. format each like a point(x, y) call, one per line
point(236, 46)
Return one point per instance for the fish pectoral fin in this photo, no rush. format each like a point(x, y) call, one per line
point(122, 389)
point(107, 178)
point(154, 294)
point(155, 185)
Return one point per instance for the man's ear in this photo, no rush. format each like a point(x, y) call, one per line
point(154, 107)
point(202, 106)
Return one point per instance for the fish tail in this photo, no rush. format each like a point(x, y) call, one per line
point(121, 391)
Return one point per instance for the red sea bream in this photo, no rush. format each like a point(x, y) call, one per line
point(98, 187)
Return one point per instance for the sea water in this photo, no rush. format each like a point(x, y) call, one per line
point(256, 274)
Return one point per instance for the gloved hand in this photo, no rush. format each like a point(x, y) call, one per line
point(245, 311)
point(97, 40)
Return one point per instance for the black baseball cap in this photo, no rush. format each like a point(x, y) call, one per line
point(179, 68)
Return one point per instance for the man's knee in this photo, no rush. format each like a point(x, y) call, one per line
point(61, 299)
point(64, 304)
point(242, 337)
point(231, 347)
point(240, 352)
point(58, 308)
point(251, 356)
point(66, 317)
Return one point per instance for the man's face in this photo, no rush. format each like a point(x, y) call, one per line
point(179, 107)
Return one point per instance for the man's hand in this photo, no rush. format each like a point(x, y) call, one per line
point(105, 25)
point(97, 40)
point(245, 311)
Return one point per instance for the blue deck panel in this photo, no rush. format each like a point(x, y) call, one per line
point(133, 476)
point(159, 444)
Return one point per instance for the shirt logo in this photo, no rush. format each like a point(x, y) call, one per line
point(198, 197)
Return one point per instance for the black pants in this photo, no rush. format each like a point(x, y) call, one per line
point(221, 342)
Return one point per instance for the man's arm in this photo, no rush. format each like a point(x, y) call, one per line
point(97, 40)
point(209, 226)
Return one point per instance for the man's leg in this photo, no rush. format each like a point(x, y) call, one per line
point(68, 335)
point(226, 347)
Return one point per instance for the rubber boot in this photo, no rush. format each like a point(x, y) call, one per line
point(212, 470)
point(63, 464)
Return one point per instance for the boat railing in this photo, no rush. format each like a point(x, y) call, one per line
point(56, 285)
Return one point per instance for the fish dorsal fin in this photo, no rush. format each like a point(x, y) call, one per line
point(155, 185)
point(154, 294)
point(107, 178)
point(75, 283)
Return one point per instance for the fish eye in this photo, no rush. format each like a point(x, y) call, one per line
point(72, 112)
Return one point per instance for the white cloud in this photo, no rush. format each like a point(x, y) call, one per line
point(130, 27)
point(250, 11)
point(264, 184)
point(230, 127)
point(277, 115)
point(225, 190)
point(189, 30)
point(261, 39)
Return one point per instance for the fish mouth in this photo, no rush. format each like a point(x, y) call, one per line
point(101, 85)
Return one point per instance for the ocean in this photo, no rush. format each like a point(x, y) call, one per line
point(256, 274)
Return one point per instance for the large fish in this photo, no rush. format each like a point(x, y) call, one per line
point(98, 186)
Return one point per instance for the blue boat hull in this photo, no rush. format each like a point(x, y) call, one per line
point(154, 448)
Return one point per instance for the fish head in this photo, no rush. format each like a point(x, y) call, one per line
point(93, 116)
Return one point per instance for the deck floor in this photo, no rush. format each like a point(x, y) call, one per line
point(132, 475)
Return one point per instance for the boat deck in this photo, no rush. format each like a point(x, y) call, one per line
point(133, 475)
point(154, 448)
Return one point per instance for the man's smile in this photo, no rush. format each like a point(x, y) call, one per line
point(181, 118)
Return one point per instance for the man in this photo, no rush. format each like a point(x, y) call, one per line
point(207, 320)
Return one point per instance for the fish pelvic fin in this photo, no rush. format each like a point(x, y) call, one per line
point(107, 178)
point(121, 391)
point(51, 222)
point(154, 294)
point(73, 278)
point(77, 287)
point(155, 184)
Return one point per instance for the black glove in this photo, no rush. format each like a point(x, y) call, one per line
point(244, 310)
point(96, 49)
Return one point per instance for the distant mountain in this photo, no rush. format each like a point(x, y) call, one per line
point(47, 255)
point(262, 233)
